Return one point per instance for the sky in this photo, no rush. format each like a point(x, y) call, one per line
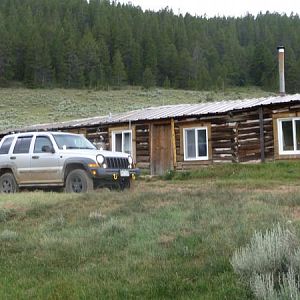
point(213, 8)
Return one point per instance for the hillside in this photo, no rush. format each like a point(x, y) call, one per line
point(161, 240)
point(19, 106)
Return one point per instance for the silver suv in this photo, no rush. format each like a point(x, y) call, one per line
point(43, 159)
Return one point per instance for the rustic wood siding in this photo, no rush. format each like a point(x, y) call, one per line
point(223, 140)
point(248, 136)
point(143, 146)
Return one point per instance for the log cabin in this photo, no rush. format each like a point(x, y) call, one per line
point(187, 136)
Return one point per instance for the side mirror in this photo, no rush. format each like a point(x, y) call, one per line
point(48, 149)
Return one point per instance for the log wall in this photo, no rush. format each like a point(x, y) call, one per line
point(143, 146)
point(233, 137)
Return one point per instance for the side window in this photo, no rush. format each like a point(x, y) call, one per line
point(122, 141)
point(289, 136)
point(41, 141)
point(22, 144)
point(6, 145)
point(195, 143)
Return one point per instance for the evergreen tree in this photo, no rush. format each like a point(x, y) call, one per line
point(90, 60)
point(118, 70)
point(167, 83)
point(185, 74)
point(6, 59)
point(72, 70)
point(148, 78)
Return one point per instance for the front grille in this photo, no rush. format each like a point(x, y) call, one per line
point(117, 162)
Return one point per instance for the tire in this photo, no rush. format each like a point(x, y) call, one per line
point(8, 184)
point(121, 185)
point(125, 184)
point(78, 181)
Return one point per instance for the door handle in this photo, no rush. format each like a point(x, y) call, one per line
point(35, 157)
point(12, 157)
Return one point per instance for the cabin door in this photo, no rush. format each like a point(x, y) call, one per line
point(161, 156)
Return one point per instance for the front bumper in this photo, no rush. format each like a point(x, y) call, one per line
point(115, 174)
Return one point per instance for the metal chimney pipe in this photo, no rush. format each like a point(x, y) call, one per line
point(281, 70)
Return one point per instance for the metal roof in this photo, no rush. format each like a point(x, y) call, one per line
point(164, 112)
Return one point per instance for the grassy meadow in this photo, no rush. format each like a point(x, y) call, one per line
point(19, 106)
point(168, 238)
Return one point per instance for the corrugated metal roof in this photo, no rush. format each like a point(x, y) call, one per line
point(169, 111)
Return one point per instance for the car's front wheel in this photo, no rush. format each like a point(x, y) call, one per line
point(8, 184)
point(78, 181)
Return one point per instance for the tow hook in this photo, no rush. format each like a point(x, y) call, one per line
point(115, 176)
point(133, 176)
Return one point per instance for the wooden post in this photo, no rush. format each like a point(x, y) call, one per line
point(173, 143)
point(261, 134)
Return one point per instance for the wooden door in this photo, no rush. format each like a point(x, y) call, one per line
point(161, 156)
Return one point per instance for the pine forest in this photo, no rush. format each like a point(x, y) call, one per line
point(101, 44)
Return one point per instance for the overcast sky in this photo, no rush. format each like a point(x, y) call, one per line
point(221, 7)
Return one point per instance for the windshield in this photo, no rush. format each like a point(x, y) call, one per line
point(71, 141)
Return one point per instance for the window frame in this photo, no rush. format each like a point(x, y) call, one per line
point(16, 141)
point(10, 146)
point(197, 158)
point(41, 136)
point(123, 132)
point(280, 136)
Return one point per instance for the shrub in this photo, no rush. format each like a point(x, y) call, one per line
point(263, 286)
point(289, 286)
point(169, 175)
point(266, 253)
point(270, 264)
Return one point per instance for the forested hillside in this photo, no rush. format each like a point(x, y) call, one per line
point(96, 44)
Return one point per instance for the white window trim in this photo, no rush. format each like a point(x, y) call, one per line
point(114, 139)
point(280, 137)
point(196, 143)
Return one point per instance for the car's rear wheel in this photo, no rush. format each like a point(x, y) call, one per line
point(8, 184)
point(78, 181)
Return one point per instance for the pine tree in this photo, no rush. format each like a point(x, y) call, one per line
point(6, 59)
point(185, 74)
point(89, 57)
point(148, 78)
point(118, 70)
point(167, 83)
point(135, 70)
point(72, 67)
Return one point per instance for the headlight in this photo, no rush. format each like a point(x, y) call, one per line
point(100, 159)
point(130, 160)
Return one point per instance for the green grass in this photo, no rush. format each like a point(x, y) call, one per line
point(257, 175)
point(19, 106)
point(161, 240)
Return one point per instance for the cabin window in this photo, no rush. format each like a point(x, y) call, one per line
point(289, 136)
point(195, 143)
point(122, 141)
